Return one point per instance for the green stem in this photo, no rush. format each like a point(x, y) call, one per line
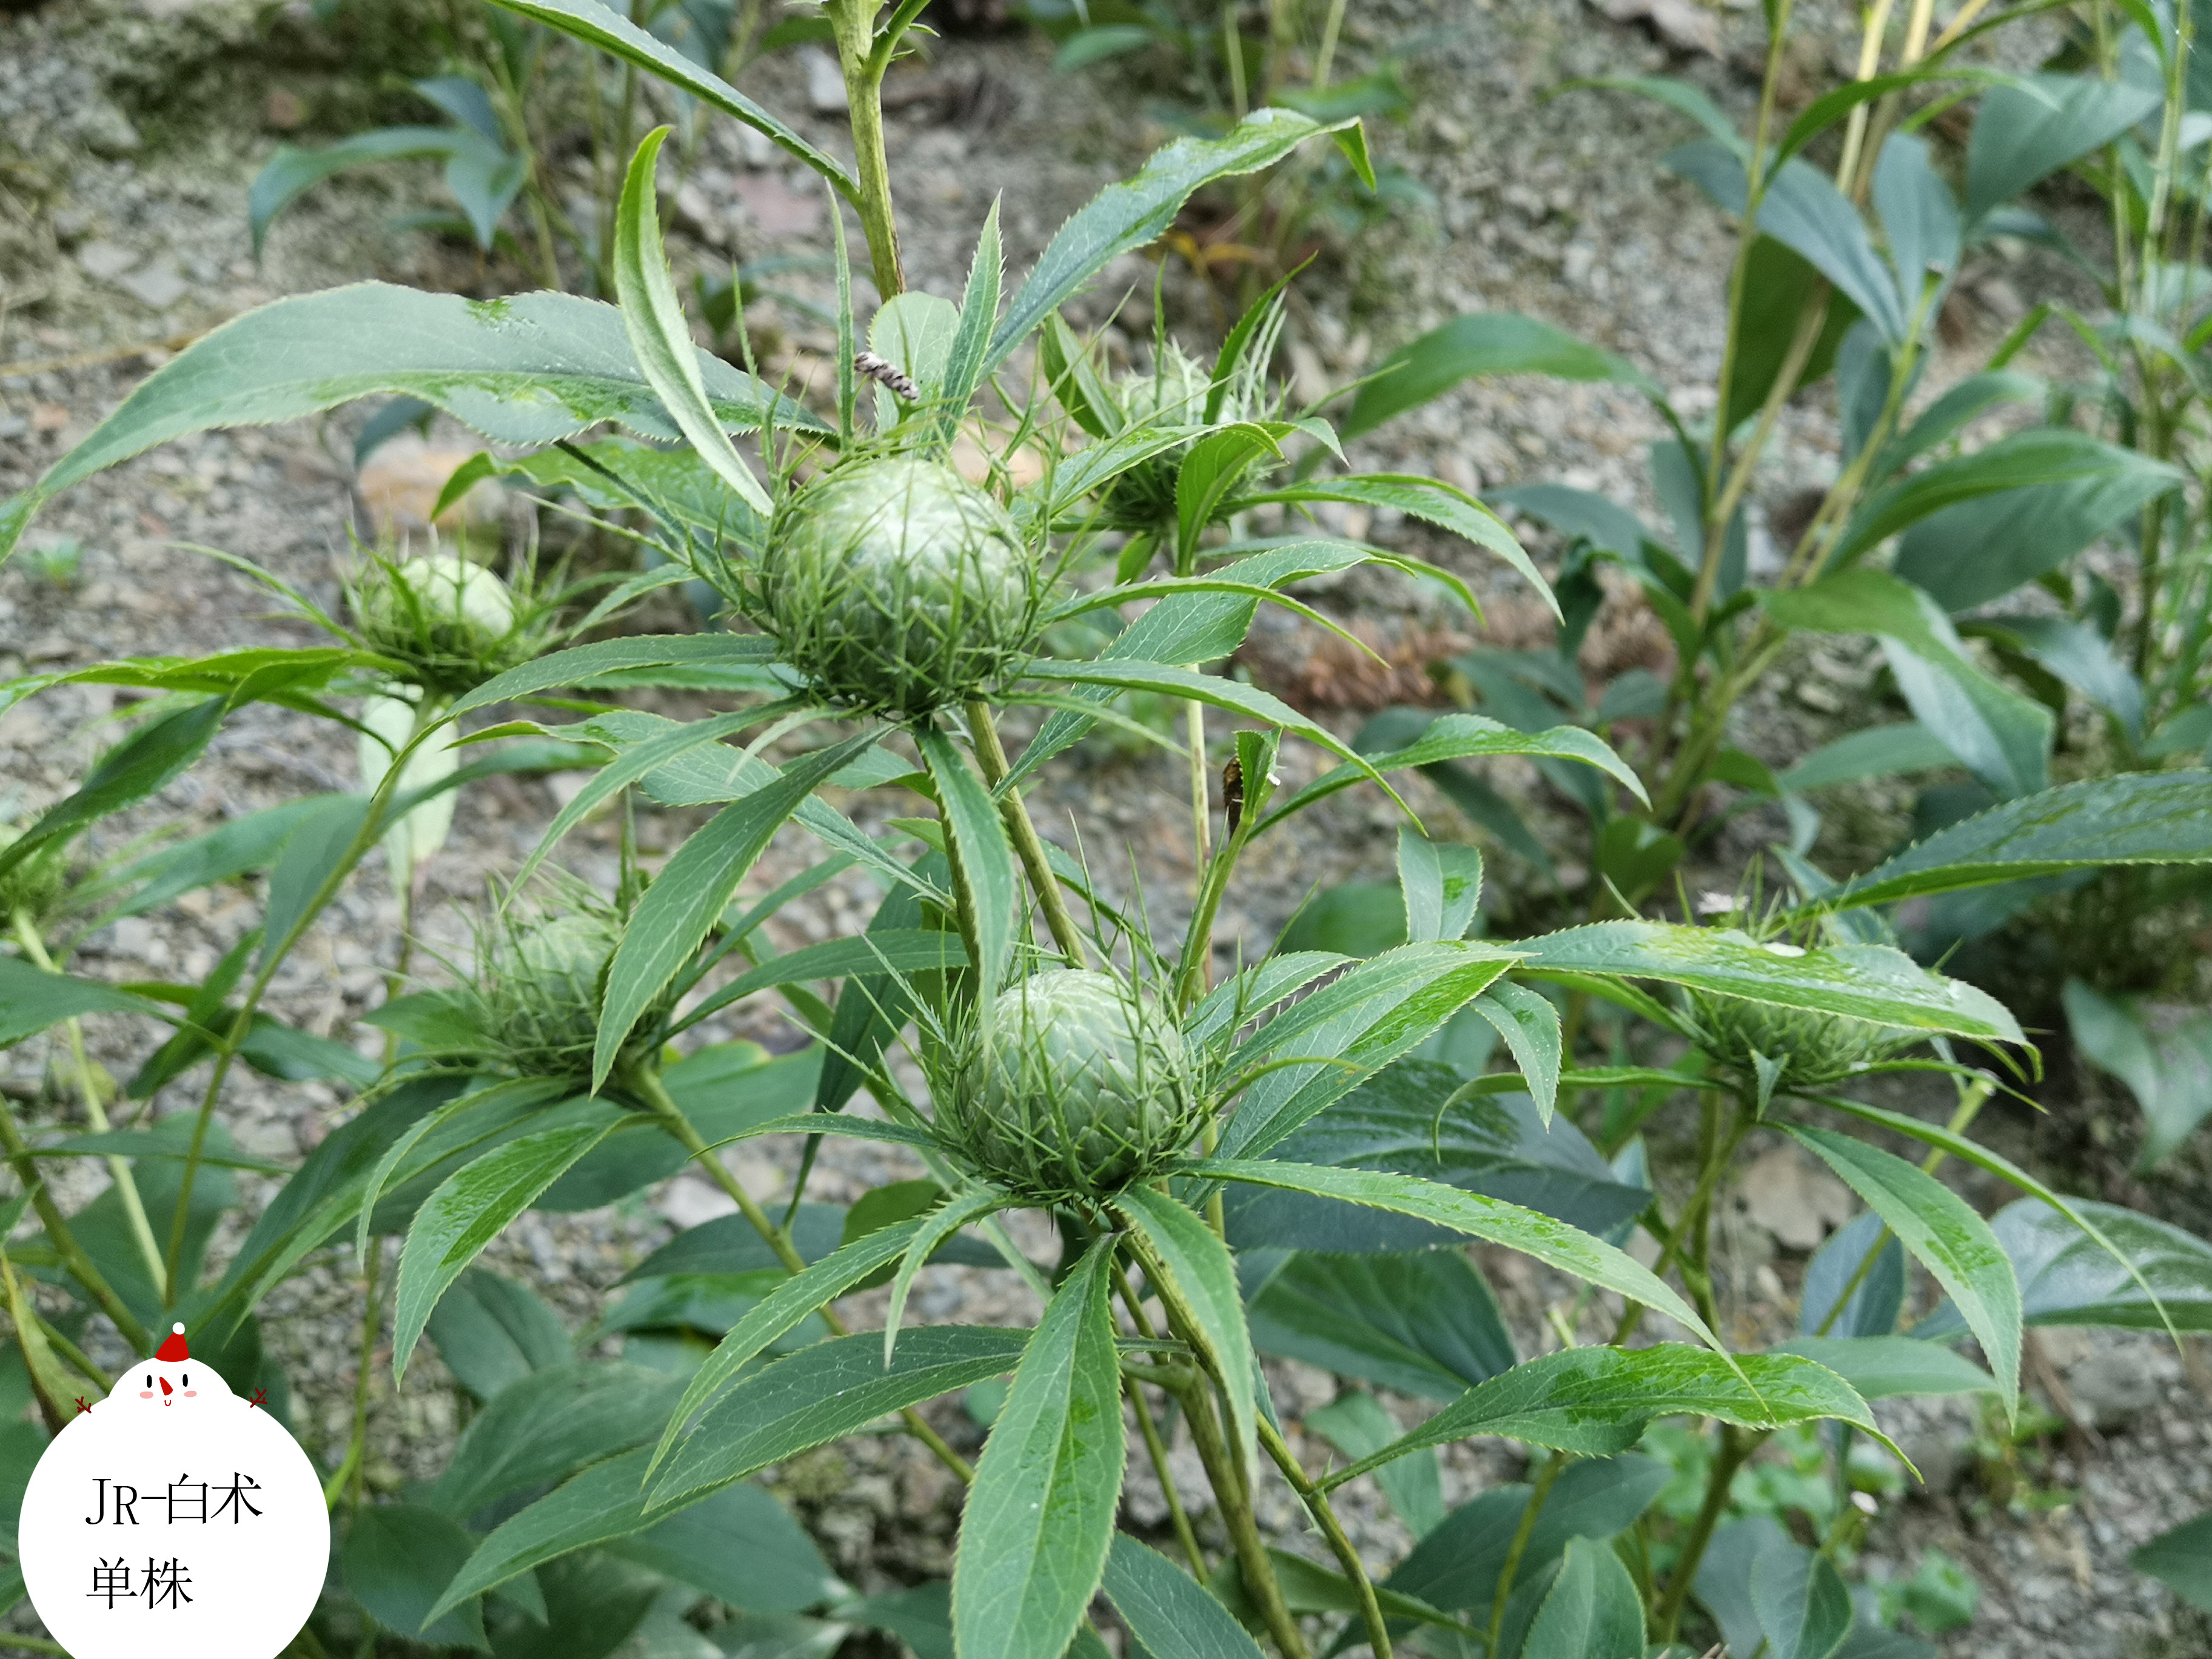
point(76, 1356)
point(1029, 846)
point(646, 1085)
point(1716, 1150)
point(1736, 1446)
point(853, 23)
point(1156, 1449)
point(1317, 1505)
point(64, 1241)
point(1540, 1493)
point(126, 1185)
point(350, 1470)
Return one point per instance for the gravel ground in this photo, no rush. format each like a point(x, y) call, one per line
point(127, 134)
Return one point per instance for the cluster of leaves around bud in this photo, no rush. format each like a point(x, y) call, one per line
point(35, 886)
point(894, 586)
point(1800, 1048)
point(1077, 1085)
point(453, 624)
point(539, 983)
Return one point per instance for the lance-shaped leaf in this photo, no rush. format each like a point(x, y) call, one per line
point(1324, 1046)
point(1552, 1242)
point(2069, 1278)
point(580, 664)
point(1040, 1516)
point(1589, 1609)
point(685, 902)
point(1139, 210)
point(1202, 1281)
point(1486, 343)
point(1168, 1611)
point(141, 764)
point(1881, 1367)
point(1443, 885)
point(957, 1210)
point(1530, 1025)
point(469, 1211)
point(894, 950)
point(1860, 982)
point(780, 1311)
point(1952, 1243)
point(1420, 1322)
point(1598, 1400)
point(982, 859)
point(830, 1389)
point(1464, 737)
point(529, 370)
point(2153, 817)
point(31, 999)
point(1802, 1604)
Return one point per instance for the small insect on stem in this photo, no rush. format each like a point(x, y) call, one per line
point(885, 374)
point(1232, 795)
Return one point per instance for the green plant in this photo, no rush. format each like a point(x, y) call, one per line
point(1239, 1158)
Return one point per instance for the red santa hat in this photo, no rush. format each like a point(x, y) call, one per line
point(173, 1347)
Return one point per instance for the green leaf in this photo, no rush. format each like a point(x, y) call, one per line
point(932, 1231)
point(492, 1332)
point(1139, 210)
point(1861, 981)
point(688, 897)
point(579, 665)
point(830, 1389)
point(2169, 1073)
point(1416, 1118)
point(1553, 1242)
point(142, 763)
point(1591, 1610)
point(1442, 884)
point(661, 334)
point(396, 1558)
point(873, 1008)
point(1202, 1276)
point(2155, 817)
point(1879, 1367)
point(31, 999)
point(979, 309)
point(2040, 456)
point(2002, 736)
point(2182, 1560)
point(1420, 1322)
point(550, 1425)
point(1462, 737)
point(1485, 343)
point(291, 172)
point(1530, 1025)
point(1040, 1515)
point(982, 861)
point(742, 1547)
point(1598, 1400)
point(2069, 1278)
point(1955, 1245)
point(469, 1211)
point(2078, 654)
point(528, 370)
point(599, 26)
point(1167, 1610)
point(877, 955)
point(1377, 1013)
point(1802, 1603)
point(1876, 752)
point(2026, 132)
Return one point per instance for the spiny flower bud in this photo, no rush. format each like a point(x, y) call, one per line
point(1173, 392)
point(34, 884)
point(540, 982)
point(1811, 1047)
point(451, 622)
point(1077, 1085)
point(894, 586)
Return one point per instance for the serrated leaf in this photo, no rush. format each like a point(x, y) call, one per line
point(2068, 1277)
point(1420, 1322)
point(983, 860)
point(1203, 1278)
point(1590, 1611)
point(1880, 1367)
point(582, 664)
point(1802, 1603)
point(1167, 1610)
point(1944, 1236)
point(1486, 343)
point(1442, 884)
point(1530, 1025)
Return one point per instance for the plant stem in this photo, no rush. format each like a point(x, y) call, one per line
point(1736, 1445)
point(349, 1468)
point(1317, 1505)
point(76, 1356)
point(1716, 1150)
point(1156, 1449)
point(1540, 1493)
point(1029, 846)
point(64, 1241)
point(853, 22)
point(126, 1185)
point(647, 1085)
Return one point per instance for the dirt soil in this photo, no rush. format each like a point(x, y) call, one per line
point(128, 134)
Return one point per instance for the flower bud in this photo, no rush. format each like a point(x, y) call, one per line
point(35, 886)
point(451, 622)
point(895, 586)
point(540, 982)
point(1173, 392)
point(1076, 1086)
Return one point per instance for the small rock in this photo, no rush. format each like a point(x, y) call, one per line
point(105, 261)
point(400, 484)
point(825, 81)
point(1820, 698)
point(1941, 1454)
point(48, 417)
point(2112, 1388)
point(1796, 1203)
point(157, 285)
point(775, 209)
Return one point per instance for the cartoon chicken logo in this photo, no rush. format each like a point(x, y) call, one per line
point(174, 1511)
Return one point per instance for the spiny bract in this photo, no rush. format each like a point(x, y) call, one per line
point(540, 982)
point(1172, 393)
point(1077, 1086)
point(895, 586)
point(1812, 1047)
point(451, 622)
